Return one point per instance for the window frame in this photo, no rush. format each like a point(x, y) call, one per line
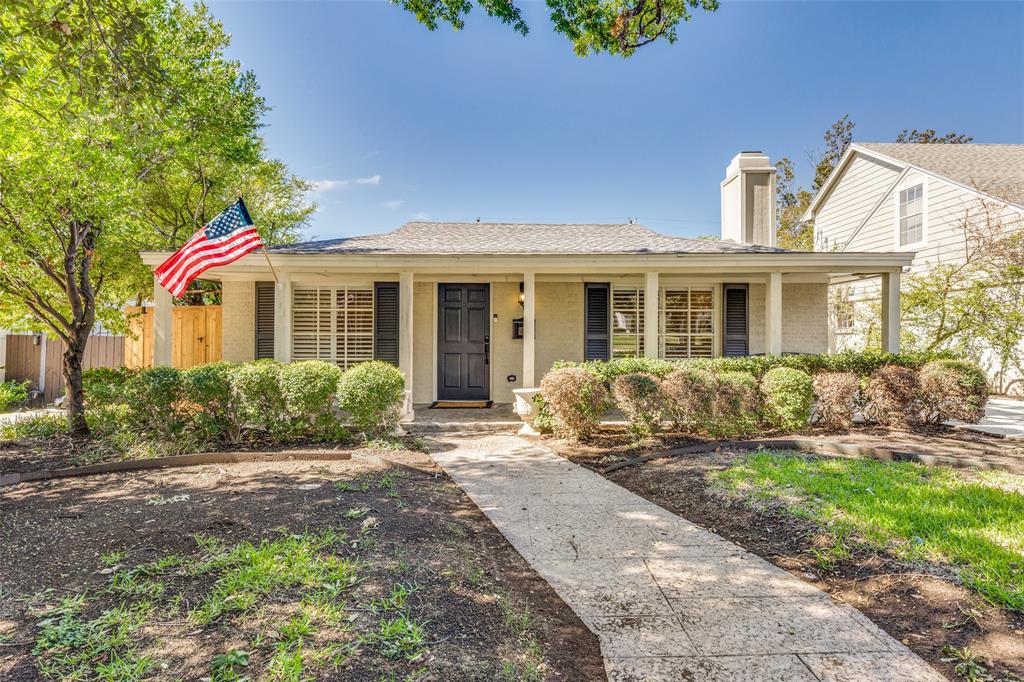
point(713, 311)
point(336, 335)
point(897, 218)
point(638, 311)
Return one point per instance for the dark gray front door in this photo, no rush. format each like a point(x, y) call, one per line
point(463, 342)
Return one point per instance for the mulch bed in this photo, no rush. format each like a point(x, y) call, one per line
point(922, 606)
point(427, 532)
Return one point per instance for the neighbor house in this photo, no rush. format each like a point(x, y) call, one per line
point(920, 199)
point(471, 311)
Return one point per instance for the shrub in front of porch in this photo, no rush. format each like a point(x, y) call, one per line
point(372, 393)
point(576, 398)
point(952, 389)
point(734, 405)
point(894, 396)
point(309, 389)
point(838, 394)
point(688, 393)
point(788, 397)
point(639, 397)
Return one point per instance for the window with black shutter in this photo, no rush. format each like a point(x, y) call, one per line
point(264, 320)
point(385, 319)
point(734, 338)
point(596, 322)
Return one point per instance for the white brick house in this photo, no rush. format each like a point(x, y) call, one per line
point(471, 311)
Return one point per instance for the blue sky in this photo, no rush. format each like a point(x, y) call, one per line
point(397, 123)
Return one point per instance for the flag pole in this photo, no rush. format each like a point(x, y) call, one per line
point(265, 252)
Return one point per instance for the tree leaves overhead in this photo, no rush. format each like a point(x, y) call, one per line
point(617, 27)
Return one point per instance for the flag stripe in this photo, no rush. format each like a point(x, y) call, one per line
point(223, 240)
point(204, 248)
point(237, 249)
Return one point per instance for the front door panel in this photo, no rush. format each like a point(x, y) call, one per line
point(463, 343)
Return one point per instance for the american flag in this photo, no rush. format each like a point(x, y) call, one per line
point(223, 240)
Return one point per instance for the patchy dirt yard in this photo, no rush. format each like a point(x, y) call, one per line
point(372, 569)
point(923, 605)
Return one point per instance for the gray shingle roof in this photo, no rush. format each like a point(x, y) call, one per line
point(996, 169)
point(427, 238)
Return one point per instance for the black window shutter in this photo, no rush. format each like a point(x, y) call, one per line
point(734, 340)
point(385, 322)
point(264, 320)
point(597, 338)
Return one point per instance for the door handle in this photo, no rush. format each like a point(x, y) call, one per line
point(487, 350)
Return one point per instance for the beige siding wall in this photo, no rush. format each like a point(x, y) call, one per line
point(506, 352)
point(804, 318)
point(559, 324)
point(863, 183)
point(238, 321)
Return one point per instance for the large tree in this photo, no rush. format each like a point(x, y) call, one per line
point(103, 105)
point(617, 27)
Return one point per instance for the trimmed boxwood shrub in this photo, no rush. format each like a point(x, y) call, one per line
point(261, 404)
point(576, 398)
point(894, 396)
point(153, 396)
point(688, 394)
point(733, 405)
point(309, 389)
point(639, 397)
point(788, 396)
point(106, 385)
point(215, 407)
point(837, 394)
point(372, 393)
point(953, 389)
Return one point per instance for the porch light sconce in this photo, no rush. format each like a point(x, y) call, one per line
point(522, 297)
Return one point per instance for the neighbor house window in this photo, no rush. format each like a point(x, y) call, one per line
point(911, 226)
point(843, 311)
point(627, 322)
point(332, 323)
point(687, 323)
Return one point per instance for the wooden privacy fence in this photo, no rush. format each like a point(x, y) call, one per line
point(195, 336)
point(40, 360)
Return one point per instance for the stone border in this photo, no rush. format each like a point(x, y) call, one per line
point(226, 457)
point(823, 447)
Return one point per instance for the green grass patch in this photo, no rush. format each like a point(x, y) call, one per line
point(912, 511)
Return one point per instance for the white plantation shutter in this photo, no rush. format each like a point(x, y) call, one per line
point(687, 323)
point(627, 322)
point(333, 323)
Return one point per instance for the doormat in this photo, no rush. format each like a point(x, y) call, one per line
point(459, 404)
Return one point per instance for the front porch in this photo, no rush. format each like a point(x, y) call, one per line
point(522, 320)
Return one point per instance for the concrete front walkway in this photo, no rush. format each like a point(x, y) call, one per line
point(669, 600)
point(1003, 417)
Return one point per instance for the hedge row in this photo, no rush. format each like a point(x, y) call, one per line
point(715, 400)
point(225, 401)
point(863, 364)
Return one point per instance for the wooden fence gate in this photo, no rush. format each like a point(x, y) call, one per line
point(195, 334)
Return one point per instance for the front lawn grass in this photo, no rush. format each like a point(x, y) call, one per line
point(973, 523)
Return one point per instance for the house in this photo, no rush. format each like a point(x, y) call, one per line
point(916, 199)
point(471, 311)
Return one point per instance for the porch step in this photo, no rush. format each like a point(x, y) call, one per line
point(418, 427)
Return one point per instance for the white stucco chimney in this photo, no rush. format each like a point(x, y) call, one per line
point(748, 200)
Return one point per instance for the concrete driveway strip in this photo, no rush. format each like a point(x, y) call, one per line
point(668, 600)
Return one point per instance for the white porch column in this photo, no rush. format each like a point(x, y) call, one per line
point(163, 324)
point(651, 300)
point(773, 315)
point(891, 312)
point(405, 327)
point(283, 318)
point(529, 335)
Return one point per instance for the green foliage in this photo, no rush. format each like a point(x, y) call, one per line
point(912, 511)
point(544, 422)
point(260, 400)
point(45, 426)
point(788, 396)
point(400, 638)
point(576, 397)
point(225, 667)
point(309, 389)
point(733, 404)
point(688, 394)
point(593, 26)
point(216, 408)
point(953, 389)
point(106, 385)
point(791, 203)
point(639, 397)
point(372, 393)
point(153, 396)
point(12, 393)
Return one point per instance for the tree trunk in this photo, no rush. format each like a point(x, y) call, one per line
point(74, 395)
